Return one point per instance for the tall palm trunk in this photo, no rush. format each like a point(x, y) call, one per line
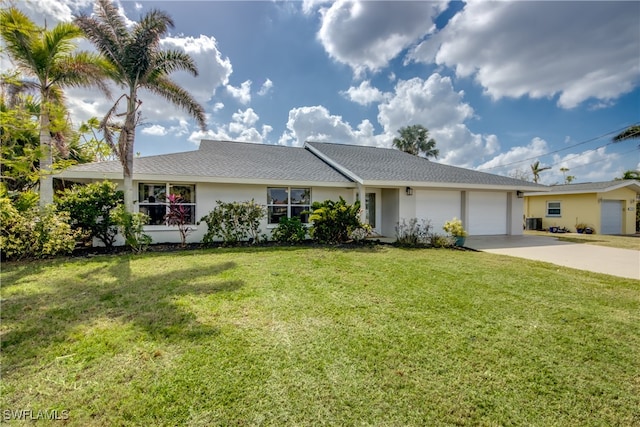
point(126, 148)
point(46, 157)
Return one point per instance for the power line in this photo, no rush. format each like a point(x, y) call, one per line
point(565, 148)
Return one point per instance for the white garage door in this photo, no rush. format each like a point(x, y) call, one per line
point(611, 217)
point(437, 206)
point(487, 213)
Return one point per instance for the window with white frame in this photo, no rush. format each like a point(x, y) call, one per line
point(152, 200)
point(554, 209)
point(288, 202)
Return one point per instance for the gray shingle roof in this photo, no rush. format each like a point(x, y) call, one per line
point(391, 165)
point(593, 187)
point(226, 159)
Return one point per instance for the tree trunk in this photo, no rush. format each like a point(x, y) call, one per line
point(129, 131)
point(46, 159)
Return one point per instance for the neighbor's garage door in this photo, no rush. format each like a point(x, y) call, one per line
point(611, 217)
point(487, 213)
point(437, 206)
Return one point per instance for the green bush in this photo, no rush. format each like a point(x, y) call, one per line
point(34, 233)
point(234, 222)
point(131, 226)
point(413, 233)
point(90, 206)
point(441, 241)
point(289, 230)
point(333, 222)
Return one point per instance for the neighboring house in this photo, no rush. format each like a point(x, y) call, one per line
point(606, 207)
point(393, 185)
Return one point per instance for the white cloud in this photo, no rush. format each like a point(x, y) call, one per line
point(364, 94)
point(241, 128)
point(266, 87)
point(317, 124)
point(515, 158)
point(366, 35)
point(213, 69)
point(242, 93)
point(53, 10)
point(217, 107)
point(155, 130)
point(434, 104)
point(542, 49)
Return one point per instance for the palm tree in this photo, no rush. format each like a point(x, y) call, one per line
point(49, 58)
point(629, 133)
point(415, 140)
point(536, 169)
point(139, 64)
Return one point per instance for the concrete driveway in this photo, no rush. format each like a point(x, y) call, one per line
point(599, 259)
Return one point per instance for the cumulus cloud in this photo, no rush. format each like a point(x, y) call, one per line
point(56, 10)
point(317, 124)
point(155, 130)
point(364, 94)
point(542, 49)
point(241, 128)
point(366, 35)
point(213, 69)
point(266, 87)
point(242, 93)
point(434, 103)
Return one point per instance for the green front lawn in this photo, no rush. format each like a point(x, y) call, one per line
point(300, 336)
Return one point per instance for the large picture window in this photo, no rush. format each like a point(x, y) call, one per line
point(554, 209)
point(288, 202)
point(152, 200)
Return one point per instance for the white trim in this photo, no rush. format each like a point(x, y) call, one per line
point(337, 166)
point(623, 184)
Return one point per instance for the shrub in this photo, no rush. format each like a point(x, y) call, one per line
point(234, 222)
point(289, 230)
point(454, 228)
point(414, 233)
point(90, 206)
point(34, 233)
point(131, 226)
point(179, 216)
point(441, 241)
point(361, 233)
point(333, 222)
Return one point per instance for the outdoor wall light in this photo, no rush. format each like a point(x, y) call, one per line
point(409, 191)
point(519, 194)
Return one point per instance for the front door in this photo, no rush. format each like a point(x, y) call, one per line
point(370, 209)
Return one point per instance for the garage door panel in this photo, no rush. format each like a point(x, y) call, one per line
point(611, 217)
point(487, 213)
point(437, 206)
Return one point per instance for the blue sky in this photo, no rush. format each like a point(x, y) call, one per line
point(498, 84)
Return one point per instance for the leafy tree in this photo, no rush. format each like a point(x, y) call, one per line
point(415, 140)
point(50, 60)
point(89, 206)
point(536, 169)
point(93, 145)
point(139, 63)
point(632, 132)
point(630, 174)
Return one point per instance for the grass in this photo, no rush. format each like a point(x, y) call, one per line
point(310, 336)
point(622, 242)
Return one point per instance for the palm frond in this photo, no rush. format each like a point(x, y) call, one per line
point(168, 61)
point(177, 95)
point(631, 132)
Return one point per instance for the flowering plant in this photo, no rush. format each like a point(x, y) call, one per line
point(454, 227)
